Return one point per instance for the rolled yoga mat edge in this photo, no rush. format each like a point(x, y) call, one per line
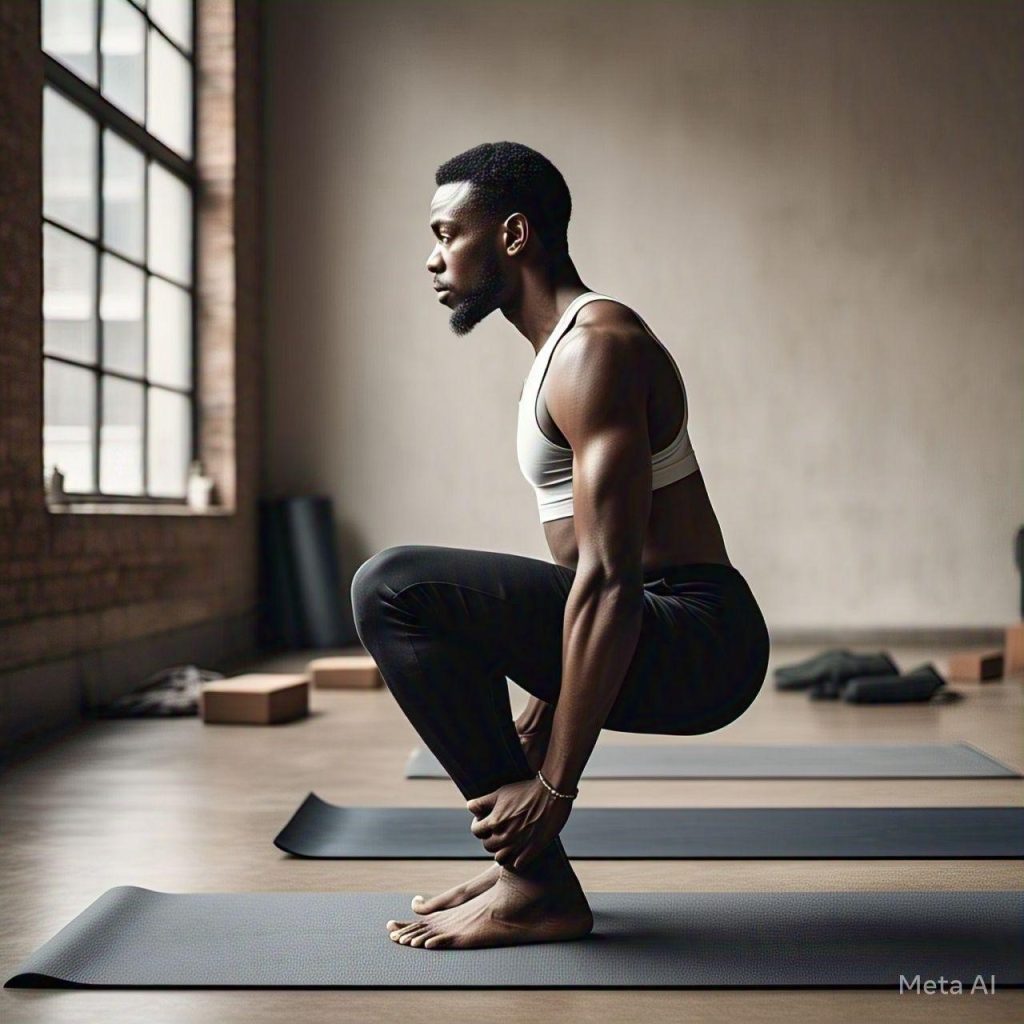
point(766, 761)
point(319, 829)
point(131, 937)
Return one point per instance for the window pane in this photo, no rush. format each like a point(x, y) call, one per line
point(69, 295)
point(124, 180)
point(69, 403)
point(69, 34)
point(175, 18)
point(121, 437)
point(122, 313)
point(170, 334)
point(169, 443)
point(170, 225)
point(70, 140)
point(123, 43)
point(169, 96)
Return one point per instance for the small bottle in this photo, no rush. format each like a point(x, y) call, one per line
point(199, 488)
point(54, 484)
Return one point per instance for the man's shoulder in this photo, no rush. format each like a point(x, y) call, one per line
point(608, 315)
point(604, 329)
point(599, 364)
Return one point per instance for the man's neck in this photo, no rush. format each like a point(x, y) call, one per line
point(542, 301)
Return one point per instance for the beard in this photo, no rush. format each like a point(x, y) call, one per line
point(480, 302)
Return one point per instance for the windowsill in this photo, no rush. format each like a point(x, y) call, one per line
point(130, 508)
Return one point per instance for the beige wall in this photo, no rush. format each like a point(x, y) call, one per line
point(817, 206)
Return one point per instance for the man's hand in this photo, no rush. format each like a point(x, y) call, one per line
point(517, 821)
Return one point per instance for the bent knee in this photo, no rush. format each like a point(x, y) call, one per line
point(389, 569)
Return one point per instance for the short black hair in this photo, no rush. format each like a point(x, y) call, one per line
point(508, 177)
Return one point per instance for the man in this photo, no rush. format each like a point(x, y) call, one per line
point(641, 624)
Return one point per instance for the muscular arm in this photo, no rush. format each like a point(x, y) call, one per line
point(598, 399)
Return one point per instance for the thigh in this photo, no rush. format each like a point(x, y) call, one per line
point(510, 610)
point(506, 609)
point(701, 659)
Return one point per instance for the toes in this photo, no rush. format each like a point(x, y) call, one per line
point(437, 942)
point(406, 937)
point(427, 905)
point(420, 937)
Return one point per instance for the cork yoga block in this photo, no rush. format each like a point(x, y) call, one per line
point(1014, 649)
point(344, 672)
point(255, 699)
point(976, 666)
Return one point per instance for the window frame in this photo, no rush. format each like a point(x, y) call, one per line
point(108, 116)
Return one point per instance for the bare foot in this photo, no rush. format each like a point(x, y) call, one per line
point(536, 904)
point(534, 740)
point(458, 894)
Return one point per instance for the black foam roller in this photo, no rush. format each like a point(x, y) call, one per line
point(302, 606)
point(279, 622)
point(317, 580)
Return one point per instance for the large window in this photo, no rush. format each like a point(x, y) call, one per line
point(119, 188)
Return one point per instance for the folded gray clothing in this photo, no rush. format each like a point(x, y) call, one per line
point(921, 685)
point(834, 666)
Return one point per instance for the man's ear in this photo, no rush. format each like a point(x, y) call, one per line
point(517, 233)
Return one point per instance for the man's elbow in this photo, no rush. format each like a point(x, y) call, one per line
point(612, 585)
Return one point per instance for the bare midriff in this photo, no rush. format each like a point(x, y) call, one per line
point(682, 529)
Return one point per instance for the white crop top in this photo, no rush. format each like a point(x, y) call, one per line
point(548, 466)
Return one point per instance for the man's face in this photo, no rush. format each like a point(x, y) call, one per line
point(465, 260)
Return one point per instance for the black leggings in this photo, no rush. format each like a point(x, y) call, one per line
point(447, 625)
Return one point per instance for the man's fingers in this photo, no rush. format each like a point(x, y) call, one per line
point(479, 829)
point(505, 846)
point(525, 855)
point(495, 842)
point(480, 805)
point(504, 855)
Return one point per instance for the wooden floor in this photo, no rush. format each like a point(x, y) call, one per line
point(182, 807)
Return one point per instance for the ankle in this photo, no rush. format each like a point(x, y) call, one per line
point(549, 865)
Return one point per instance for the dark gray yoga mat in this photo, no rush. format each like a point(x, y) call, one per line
point(134, 937)
point(320, 829)
point(736, 761)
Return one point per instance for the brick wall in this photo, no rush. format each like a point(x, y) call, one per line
point(91, 601)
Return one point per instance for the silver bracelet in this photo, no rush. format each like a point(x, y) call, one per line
point(551, 789)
